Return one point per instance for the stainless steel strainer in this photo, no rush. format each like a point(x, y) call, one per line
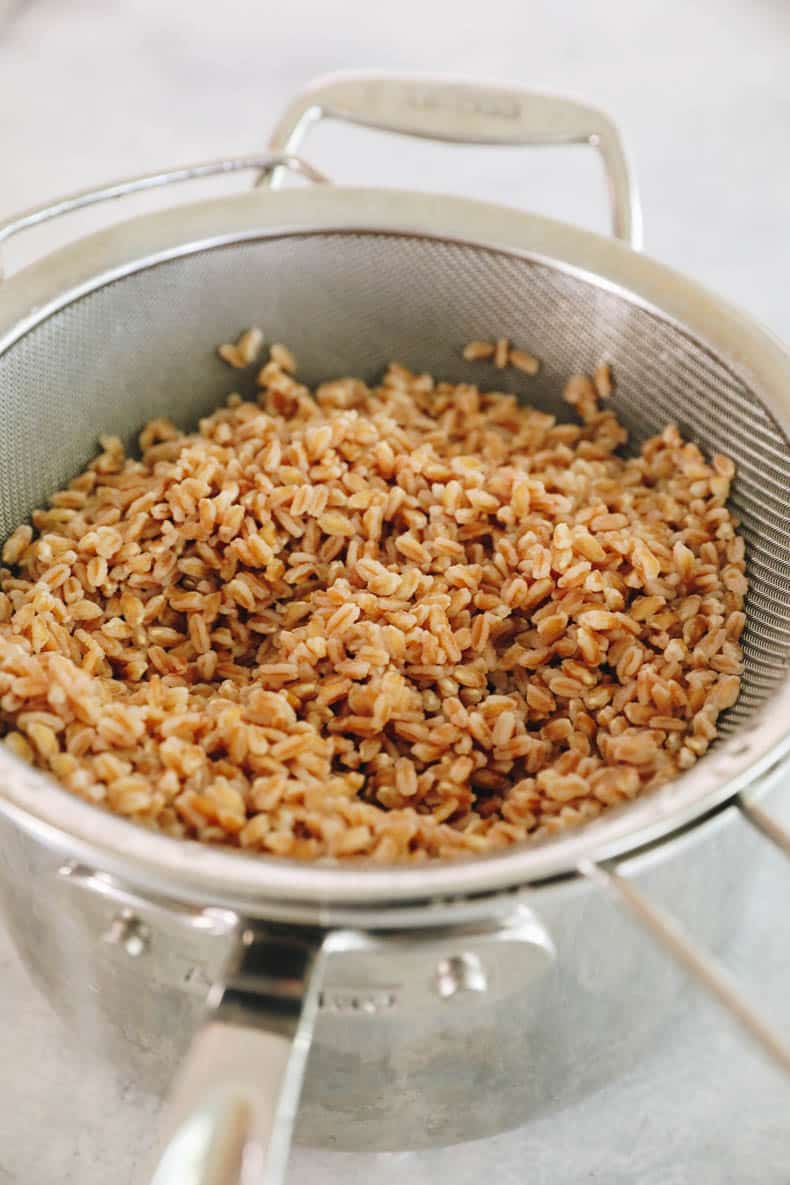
point(121, 326)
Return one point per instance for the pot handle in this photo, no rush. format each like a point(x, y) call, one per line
point(464, 113)
point(231, 1112)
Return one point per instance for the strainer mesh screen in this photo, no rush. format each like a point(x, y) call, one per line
point(347, 303)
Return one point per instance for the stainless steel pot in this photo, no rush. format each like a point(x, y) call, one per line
point(442, 1002)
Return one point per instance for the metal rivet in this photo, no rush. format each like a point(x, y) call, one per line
point(130, 932)
point(459, 973)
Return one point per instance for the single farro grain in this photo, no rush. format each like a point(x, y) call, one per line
point(602, 378)
point(283, 358)
point(477, 350)
point(399, 622)
point(523, 360)
point(501, 353)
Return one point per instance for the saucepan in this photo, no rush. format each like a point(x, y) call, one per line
point(429, 1003)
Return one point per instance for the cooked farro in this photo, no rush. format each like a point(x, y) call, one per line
point(403, 622)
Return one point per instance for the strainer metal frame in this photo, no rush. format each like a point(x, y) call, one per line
point(444, 893)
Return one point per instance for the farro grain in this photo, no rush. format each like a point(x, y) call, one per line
point(477, 350)
point(16, 544)
point(525, 361)
point(283, 358)
point(501, 351)
point(602, 378)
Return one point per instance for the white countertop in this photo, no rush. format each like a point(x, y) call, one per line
point(92, 90)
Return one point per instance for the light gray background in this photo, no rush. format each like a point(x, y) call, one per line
point(94, 89)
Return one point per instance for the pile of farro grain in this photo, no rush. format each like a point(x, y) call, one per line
point(402, 622)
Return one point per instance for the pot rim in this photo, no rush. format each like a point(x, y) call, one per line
point(189, 870)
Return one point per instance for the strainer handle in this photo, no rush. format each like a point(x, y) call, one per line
point(464, 113)
point(131, 185)
point(698, 963)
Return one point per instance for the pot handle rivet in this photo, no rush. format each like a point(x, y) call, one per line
point(459, 973)
point(130, 932)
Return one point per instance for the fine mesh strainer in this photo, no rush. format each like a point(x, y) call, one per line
point(121, 327)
